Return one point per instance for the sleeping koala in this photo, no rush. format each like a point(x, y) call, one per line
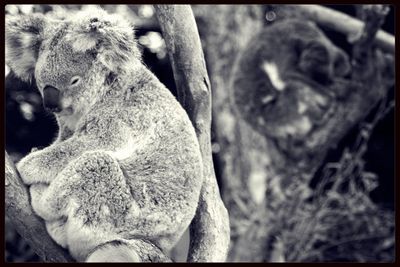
point(285, 79)
point(126, 164)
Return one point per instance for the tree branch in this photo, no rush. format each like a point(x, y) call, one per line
point(210, 227)
point(339, 22)
point(27, 224)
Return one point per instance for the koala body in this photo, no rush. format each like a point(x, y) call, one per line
point(282, 80)
point(126, 163)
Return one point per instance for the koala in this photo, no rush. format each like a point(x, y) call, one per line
point(284, 80)
point(126, 163)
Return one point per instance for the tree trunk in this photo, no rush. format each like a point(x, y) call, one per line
point(210, 228)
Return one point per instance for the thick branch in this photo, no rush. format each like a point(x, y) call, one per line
point(27, 224)
point(210, 227)
point(340, 22)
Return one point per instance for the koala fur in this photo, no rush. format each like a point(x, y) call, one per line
point(282, 80)
point(126, 164)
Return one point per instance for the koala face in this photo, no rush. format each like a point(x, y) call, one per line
point(70, 58)
point(64, 76)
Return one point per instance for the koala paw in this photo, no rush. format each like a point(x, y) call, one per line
point(24, 168)
point(30, 170)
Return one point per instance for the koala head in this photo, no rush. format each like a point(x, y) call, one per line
point(72, 59)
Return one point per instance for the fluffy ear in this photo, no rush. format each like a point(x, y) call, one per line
point(23, 36)
point(110, 36)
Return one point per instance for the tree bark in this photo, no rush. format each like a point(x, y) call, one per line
point(210, 228)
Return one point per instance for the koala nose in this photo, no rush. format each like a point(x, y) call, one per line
point(51, 99)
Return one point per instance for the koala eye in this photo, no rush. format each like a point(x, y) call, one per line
point(75, 80)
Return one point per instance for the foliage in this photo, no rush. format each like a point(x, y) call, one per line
point(338, 220)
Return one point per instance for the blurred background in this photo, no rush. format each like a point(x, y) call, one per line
point(28, 125)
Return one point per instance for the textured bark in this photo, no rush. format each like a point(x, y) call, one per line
point(254, 168)
point(210, 228)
